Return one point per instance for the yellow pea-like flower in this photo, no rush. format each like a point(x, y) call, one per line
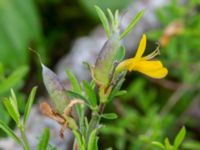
point(145, 65)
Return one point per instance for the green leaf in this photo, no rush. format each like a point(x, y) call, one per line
point(6, 129)
point(24, 15)
point(74, 82)
point(90, 94)
point(109, 116)
point(120, 93)
point(13, 101)
point(111, 18)
point(11, 110)
point(13, 79)
point(132, 24)
point(79, 139)
point(103, 4)
point(116, 18)
point(29, 104)
point(191, 145)
point(44, 139)
point(116, 88)
point(4, 116)
point(86, 123)
point(93, 84)
point(92, 143)
point(104, 20)
point(167, 144)
point(179, 137)
point(158, 144)
point(51, 147)
point(74, 95)
point(109, 148)
point(1, 71)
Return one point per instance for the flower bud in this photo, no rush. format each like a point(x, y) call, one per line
point(105, 61)
point(55, 89)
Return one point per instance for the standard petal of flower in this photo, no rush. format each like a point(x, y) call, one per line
point(142, 46)
point(147, 65)
point(158, 74)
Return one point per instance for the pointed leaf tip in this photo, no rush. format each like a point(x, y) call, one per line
point(29, 104)
point(132, 24)
point(109, 116)
point(103, 19)
point(44, 139)
point(180, 137)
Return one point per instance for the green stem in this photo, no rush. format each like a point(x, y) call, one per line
point(96, 117)
point(93, 124)
point(24, 138)
point(81, 122)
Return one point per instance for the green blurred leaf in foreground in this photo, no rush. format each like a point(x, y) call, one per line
point(20, 27)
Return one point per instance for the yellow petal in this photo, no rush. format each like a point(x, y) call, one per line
point(152, 69)
point(158, 74)
point(147, 65)
point(142, 47)
point(124, 65)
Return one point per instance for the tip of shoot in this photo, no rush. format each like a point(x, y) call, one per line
point(37, 53)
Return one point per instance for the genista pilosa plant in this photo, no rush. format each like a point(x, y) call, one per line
point(69, 107)
point(108, 74)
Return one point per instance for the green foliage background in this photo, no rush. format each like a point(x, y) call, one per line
point(146, 112)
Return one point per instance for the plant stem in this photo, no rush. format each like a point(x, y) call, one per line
point(95, 120)
point(101, 108)
point(93, 124)
point(24, 138)
point(81, 122)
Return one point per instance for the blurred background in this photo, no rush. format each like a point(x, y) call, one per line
point(66, 33)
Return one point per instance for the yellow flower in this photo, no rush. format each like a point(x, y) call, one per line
point(145, 65)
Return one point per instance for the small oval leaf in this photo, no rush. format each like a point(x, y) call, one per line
point(180, 137)
point(92, 144)
point(92, 100)
point(79, 139)
point(74, 82)
point(158, 144)
point(11, 110)
point(109, 116)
